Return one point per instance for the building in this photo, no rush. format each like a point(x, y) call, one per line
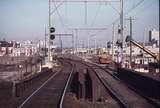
point(27, 48)
point(140, 59)
point(5, 48)
point(154, 37)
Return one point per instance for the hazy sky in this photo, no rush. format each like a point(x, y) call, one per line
point(26, 19)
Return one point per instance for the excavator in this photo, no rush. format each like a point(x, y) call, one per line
point(154, 55)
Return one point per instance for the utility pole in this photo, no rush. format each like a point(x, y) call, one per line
point(85, 19)
point(95, 1)
point(39, 44)
point(121, 29)
point(60, 39)
point(88, 44)
point(84, 29)
point(95, 43)
point(64, 35)
point(76, 30)
point(45, 52)
point(72, 42)
point(113, 42)
point(49, 26)
point(130, 20)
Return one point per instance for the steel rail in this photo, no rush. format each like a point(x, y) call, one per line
point(118, 98)
point(133, 89)
point(66, 86)
point(37, 90)
point(113, 93)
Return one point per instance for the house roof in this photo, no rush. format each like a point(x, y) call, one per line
point(5, 44)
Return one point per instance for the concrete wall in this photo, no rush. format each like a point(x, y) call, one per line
point(148, 86)
point(5, 94)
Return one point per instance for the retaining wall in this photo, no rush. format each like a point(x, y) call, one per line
point(148, 86)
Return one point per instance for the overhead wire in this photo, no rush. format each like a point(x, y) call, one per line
point(145, 9)
point(100, 31)
point(66, 12)
point(126, 13)
point(56, 7)
point(114, 8)
point(60, 18)
point(130, 10)
point(95, 17)
point(133, 7)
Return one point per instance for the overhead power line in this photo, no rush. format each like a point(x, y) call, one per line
point(60, 18)
point(130, 10)
point(134, 6)
point(56, 8)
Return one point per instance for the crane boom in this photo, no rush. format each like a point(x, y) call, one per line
point(154, 55)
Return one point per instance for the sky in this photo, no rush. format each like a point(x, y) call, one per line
point(26, 20)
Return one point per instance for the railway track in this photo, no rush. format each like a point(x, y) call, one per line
point(113, 73)
point(127, 98)
point(51, 93)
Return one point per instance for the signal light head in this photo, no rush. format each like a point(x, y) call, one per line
point(52, 36)
point(52, 29)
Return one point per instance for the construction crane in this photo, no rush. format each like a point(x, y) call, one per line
point(154, 55)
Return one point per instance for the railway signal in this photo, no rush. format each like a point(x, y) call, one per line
point(52, 36)
point(52, 30)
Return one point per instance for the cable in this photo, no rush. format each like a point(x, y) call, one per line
point(60, 19)
point(56, 8)
point(145, 8)
point(96, 33)
point(97, 11)
point(134, 6)
point(95, 17)
point(114, 8)
point(126, 13)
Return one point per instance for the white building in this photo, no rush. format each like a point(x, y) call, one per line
point(27, 48)
point(139, 57)
point(154, 37)
point(5, 48)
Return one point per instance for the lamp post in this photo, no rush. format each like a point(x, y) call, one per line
point(88, 42)
point(21, 74)
point(95, 43)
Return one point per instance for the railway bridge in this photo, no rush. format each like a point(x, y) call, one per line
point(79, 83)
